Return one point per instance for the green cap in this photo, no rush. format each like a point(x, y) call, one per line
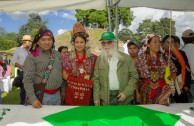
point(133, 42)
point(107, 36)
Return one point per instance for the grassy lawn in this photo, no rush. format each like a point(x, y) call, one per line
point(11, 51)
point(12, 97)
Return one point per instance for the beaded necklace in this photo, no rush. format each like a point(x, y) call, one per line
point(82, 58)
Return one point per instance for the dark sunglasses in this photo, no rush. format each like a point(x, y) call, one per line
point(106, 43)
point(27, 40)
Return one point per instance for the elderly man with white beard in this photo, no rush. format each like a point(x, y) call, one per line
point(115, 75)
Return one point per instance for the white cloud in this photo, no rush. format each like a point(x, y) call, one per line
point(55, 13)
point(69, 16)
point(143, 13)
point(44, 12)
point(19, 15)
point(72, 12)
point(184, 20)
point(22, 15)
point(60, 31)
point(47, 12)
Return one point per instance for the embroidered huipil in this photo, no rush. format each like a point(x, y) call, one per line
point(151, 73)
point(79, 76)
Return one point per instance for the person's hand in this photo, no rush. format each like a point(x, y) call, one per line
point(121, 96)
point(97, 103)
point(65, 75)
point(36, 104)
point(138, 97)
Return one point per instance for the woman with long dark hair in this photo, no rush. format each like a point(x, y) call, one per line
point(78, 67)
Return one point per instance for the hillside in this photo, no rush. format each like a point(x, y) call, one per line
point(94, 36)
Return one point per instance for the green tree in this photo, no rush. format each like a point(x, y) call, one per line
point(34, 23)
point(83, 16)
point(125, 16)
point(125, 34)
point(145, 27)
point(161, 28)
point(99, 18)
point(164, 23)
point(7, 40)
point(13, 37)
point(137, 37)
point(2, 31)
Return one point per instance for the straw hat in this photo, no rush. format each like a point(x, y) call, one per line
point(26, 38)
point(188, 33)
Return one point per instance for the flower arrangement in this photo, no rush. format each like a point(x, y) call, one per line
point(2, 62)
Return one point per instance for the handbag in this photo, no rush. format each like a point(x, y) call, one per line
point(17, 82)
point(39, 88)
point(78, 91)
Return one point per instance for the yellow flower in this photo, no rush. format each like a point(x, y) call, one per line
point(167, 75)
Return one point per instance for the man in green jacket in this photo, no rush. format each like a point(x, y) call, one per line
point(115, 75)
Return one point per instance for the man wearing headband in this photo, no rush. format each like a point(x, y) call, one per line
point(18, 59)
point(43, 67)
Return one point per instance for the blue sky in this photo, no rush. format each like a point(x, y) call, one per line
point(63, 20)
point(58, 21)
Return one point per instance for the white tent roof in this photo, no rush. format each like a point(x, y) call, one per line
point(178, 5)
point(40, 5)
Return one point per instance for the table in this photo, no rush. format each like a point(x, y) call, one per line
point(27, 116)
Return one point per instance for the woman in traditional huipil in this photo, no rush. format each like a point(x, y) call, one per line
point(78, 67)
point(151, 68)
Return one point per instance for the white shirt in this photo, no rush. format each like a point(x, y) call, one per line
point(19, 56)
point(125, 48)
point(113, 79)
point(189, 50)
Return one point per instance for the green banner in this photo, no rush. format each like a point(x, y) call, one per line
point(112, 116)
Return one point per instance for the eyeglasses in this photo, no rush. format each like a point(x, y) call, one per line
point(27, 40)
point(106, 43)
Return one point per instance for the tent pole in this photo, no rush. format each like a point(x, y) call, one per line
point(117, 23)
point(109, 15)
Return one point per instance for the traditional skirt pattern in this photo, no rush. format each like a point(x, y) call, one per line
point(154, 92)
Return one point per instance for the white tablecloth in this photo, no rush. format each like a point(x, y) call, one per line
point(27, 116)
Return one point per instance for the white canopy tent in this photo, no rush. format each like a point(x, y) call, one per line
point(176, 5)
point(40, 5)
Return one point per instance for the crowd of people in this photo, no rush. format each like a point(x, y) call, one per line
point(153, 72)
point(5, 71)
